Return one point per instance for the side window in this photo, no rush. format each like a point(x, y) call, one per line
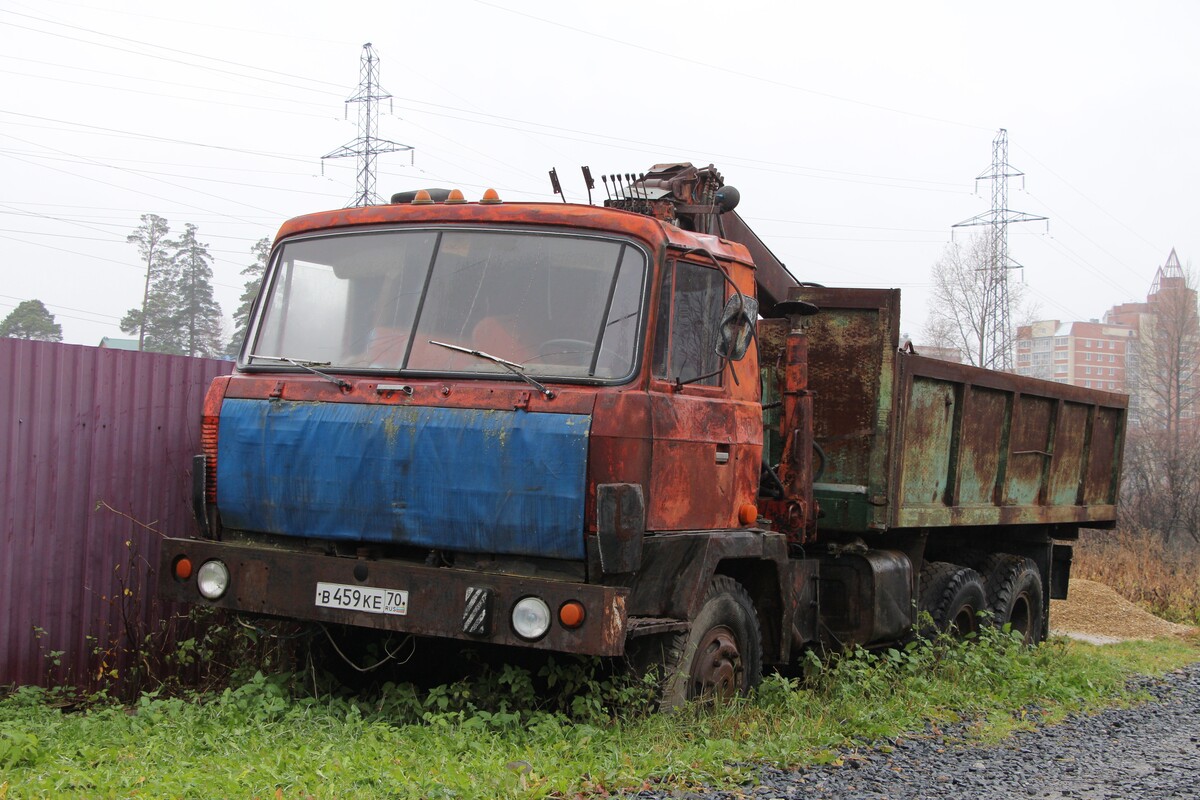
point(688, 312)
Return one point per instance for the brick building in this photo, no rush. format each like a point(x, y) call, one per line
point(1091, 354)
point(1129, 350)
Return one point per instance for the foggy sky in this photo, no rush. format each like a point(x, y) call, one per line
point(853, 131)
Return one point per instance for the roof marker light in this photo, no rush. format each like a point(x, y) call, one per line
point(490, 196)
point(455, 196)
point(422, 198)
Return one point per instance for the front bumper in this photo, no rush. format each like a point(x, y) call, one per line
point(283, 583)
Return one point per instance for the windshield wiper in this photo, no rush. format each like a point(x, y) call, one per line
point(514, 368)
point(307, 365)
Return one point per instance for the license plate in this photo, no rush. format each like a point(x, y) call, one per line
point(362, 598)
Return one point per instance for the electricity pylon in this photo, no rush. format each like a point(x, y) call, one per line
point(996, 313)
point(368, 145)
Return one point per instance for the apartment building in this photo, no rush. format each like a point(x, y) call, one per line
point(1091, 354)
point(1130, 350)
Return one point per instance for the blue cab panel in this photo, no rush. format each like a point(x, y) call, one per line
point(505, 482)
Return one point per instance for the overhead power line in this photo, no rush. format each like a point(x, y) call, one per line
point(147, 194)
point(1157, 249)
point(58, 314)
point(734, 72)
point(155, 138)
point(95, 257)
point(71, 159)
point(56, 305)
point(147, 93)
point(658, 148)
point(165, 49)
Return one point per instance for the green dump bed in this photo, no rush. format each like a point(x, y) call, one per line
point(915, 442)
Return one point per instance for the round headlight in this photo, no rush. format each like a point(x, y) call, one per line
point(212, 579)
point(531, 618)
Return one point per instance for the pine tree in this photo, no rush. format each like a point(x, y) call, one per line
point(31, 320)
point(254, 272)
point(153, 318)
point(197, 330)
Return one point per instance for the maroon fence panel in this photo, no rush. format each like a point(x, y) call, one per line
point(95, 465)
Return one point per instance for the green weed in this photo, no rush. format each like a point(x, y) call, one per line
point(558, 731)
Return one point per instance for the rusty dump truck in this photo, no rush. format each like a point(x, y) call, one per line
point(621, 430)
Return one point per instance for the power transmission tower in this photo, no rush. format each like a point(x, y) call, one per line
point(997, 314)
point(368, 145)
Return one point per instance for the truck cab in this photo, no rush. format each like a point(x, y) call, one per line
point(450, 417)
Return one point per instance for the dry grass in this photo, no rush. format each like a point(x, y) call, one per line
point(1164, 580)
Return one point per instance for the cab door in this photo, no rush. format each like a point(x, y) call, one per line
point(703, 453)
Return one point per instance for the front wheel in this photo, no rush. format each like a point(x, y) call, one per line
point(721, 655)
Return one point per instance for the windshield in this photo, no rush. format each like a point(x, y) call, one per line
point(557, 305)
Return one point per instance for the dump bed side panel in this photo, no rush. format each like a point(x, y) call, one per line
point(909, 441)
point(977, 447)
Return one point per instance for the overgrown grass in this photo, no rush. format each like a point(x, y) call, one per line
point(1140, 567)
point(505, 736)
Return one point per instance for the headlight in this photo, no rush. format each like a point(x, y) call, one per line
point(530, 617)
point(212, 579)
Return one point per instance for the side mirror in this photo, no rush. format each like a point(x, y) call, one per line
point(736, 330)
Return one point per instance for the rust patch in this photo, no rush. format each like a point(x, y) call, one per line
point(614, 623)
point(980, 442)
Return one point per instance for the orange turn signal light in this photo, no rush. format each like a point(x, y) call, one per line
point(455, 196)
point(183, 568)
point(748, 514)
point(571, 615)
point(490, 196)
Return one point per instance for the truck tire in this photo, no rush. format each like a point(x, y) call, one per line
point(953, 596)
point(722, 653)
point(1015, 595)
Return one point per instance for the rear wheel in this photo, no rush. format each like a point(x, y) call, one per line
point(721, 655)
point(1015, 596)
point(953, 596)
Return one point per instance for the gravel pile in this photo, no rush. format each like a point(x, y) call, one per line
point(1150, 752)
point(1096, 613)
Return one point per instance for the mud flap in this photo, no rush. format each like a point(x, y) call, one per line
point(1060, 571)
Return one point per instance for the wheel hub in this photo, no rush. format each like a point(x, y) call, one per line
point(717, 669)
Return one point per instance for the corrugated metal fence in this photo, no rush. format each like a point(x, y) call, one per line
point(95, 464)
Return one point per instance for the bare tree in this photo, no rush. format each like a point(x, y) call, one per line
point(1168, 375)
point(1162, 464)
point(961, 308)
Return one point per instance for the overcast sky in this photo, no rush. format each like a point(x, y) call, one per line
point(853, 130)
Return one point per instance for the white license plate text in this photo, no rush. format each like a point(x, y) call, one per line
point(362, 598)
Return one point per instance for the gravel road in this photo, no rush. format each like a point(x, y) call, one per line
point(1143, 753)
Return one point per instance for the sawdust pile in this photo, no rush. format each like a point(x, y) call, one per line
point(1095, 613)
